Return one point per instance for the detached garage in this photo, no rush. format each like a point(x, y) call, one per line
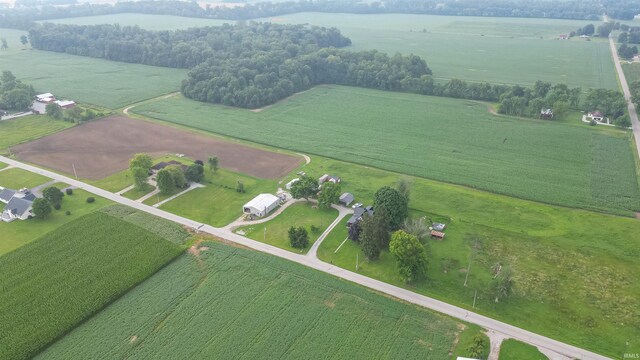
point(261, 205)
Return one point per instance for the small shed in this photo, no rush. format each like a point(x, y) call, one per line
point(65, 104)
point(346, 199)
point(290, 183)
point(261, 205)
point(329, 178)
point(438, 226)
point(45, 98)
point(437, 234)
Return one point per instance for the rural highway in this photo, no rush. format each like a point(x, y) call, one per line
point(633, 115)
point(313, 262)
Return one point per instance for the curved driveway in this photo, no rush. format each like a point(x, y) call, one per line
point(313, 262)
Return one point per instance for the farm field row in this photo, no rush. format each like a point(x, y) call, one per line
point(444, 139)
point(53, 284)
point(217, 301)
point(499, 50)
point(95, 81)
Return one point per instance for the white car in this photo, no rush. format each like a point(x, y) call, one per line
point(356, 205)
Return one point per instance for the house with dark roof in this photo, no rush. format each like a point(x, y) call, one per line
point(19, 204)
point(359, 213)
point(161, 165)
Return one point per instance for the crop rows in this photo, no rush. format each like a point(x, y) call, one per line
point(236, 303)
point(448, 140)
point(163, 228)
point(57, 281)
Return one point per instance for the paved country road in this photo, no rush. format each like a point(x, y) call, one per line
point(635, 124)
point(313, 262)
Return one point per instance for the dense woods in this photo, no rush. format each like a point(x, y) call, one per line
point(14, 95)
point(242, 65)
point(23, 16)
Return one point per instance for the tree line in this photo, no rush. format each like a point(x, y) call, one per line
point(14, 95)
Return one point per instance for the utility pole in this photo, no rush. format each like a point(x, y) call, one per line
point(74, 170)
point(475, 246)
point(474, 298)
point(357, 261)
point(264, 238)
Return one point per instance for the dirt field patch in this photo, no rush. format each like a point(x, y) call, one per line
point(101, 148)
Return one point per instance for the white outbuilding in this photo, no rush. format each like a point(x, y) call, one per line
point(261, 205)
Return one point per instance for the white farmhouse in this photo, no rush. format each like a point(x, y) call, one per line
point(261, 205)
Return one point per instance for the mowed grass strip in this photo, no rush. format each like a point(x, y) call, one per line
point(16, 178)
point(276, 231)
point(51, 285)
point(100, 82)
point(18, 233)
point(28, 128)
point(218, 203)
point(220, 302)
point(449, 140)
point(515, 350)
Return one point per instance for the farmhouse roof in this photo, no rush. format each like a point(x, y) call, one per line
point(163, 164)
point(44, 96)
point(6, 195)
point(597, 113)
point(437, 234)
point(358, 213)
point(18, 206)
point(64, 103)
point(262, 201)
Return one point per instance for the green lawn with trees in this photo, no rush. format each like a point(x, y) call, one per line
point(305, 214)
point(444, 139)
point(76, 77)
point(515, 350)
point(28, 128)
point(18, 233)
point(218, 301)
point(219, 202)
point(569, 267)
point(57, 282)
point(16, 179)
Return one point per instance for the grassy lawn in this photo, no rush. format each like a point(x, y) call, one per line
point(135, 194)
point(16, 178)
point(218, 203)
point(449, 140)
point(3, 165)
point(219, 302)
point(466, 340)
point(18, 233)
point(58, 281)
point(515, 350)
point(28, 128)
point(76, 77)
point(572, 268)
point(499, 50)
point(299, 214)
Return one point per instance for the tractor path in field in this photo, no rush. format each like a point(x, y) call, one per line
point(633, 115)
point(542, 342)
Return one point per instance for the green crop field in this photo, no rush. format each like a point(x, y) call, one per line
point(95, 81)
point(275, 232)
point(60, 280)
point(572, 268)
point(145, 21)
point(218, 203)
point(220, 302)
point(16, 178)
point(516, 350)
point(18, 233)
point(445, 139)
point(497, 50)
point(28, 128)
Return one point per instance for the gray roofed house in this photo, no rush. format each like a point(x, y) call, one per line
point(358, 213)
point(438, 226)
point(17, 208)
point(346, 199)
point(6, 195)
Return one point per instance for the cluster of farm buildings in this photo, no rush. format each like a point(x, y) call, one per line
point(18, 204)
point(41, 101)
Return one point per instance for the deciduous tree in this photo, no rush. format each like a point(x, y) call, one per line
point(41, 208)
point(139, 176)
point(298, 237)
point(179, 179)
point(410, 255)
point(304, 188)
point(375, 234)
point(213, 163)
point(165, 182)
point(195, 173)
point(329, 194)
point(502, 285)
point(53, 195)
point(394, 204)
